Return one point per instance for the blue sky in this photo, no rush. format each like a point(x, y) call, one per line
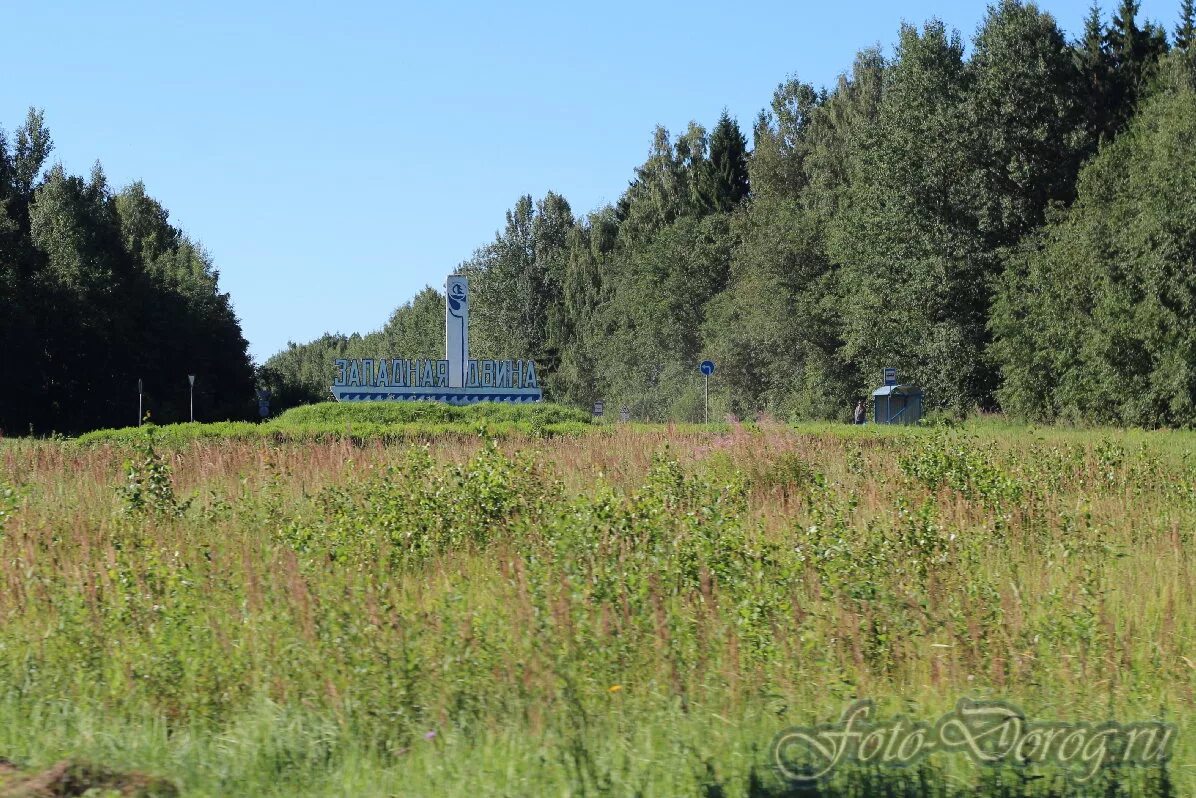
point(336, 158)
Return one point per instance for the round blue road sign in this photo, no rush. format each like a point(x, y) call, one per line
point(707, 367)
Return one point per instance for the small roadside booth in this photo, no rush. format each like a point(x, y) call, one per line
point(897, 404)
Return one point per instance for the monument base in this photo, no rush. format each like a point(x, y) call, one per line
point(452, 396)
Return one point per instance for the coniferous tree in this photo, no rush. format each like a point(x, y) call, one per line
point(1134, 54)
point(1185, 30)
point(1096, 70)
point(723, 177)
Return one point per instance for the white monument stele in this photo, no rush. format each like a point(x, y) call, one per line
point(456, 380)
point(456, 329)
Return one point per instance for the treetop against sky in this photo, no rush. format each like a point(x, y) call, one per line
point(378, 144)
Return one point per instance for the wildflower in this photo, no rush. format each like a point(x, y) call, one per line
point(614, 688)
point(430, 735)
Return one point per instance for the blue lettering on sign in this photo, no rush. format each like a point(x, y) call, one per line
point(397, 379)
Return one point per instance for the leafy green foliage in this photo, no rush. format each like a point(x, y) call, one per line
point(1090, 321)
point(417, 510)
point(1134, 55)
point(9, 502)
point(364, 422)
point(963, 466)
point(917, 214)
point(884, 221)
point(148, 488)
point(303, 374)
point(547, 618)
point(1024, 106)
point(915, 265)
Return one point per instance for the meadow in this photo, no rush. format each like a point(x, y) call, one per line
point(536, 605)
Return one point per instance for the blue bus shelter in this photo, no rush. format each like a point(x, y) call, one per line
point(897, 404)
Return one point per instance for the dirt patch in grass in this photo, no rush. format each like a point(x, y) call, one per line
point(69, 778)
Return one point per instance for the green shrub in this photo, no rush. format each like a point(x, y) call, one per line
point(387, 421)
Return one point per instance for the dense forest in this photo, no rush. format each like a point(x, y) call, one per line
point(98, 291)
point(1012, 226)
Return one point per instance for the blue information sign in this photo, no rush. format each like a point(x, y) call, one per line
point(890, 376)
point(263, 402)
point(707, 367)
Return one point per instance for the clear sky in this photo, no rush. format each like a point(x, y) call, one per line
point(334, 158)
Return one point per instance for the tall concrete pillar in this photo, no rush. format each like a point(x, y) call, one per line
point(456, 329)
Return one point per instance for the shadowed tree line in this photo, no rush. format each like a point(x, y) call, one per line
point(97, 291)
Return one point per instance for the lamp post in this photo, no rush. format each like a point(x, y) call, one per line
point(191, 379)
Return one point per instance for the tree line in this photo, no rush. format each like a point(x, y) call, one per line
point(98, 291)
point(1011, 226)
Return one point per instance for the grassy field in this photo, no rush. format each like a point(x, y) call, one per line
point(540, 606)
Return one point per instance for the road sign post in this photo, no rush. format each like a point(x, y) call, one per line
point(263, 402)
point(139, 391)
point(890, 375)
point(191, 379)
point(599, 408)
point(707, 368)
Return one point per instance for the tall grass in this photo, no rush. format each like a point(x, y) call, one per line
point(637, 611)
